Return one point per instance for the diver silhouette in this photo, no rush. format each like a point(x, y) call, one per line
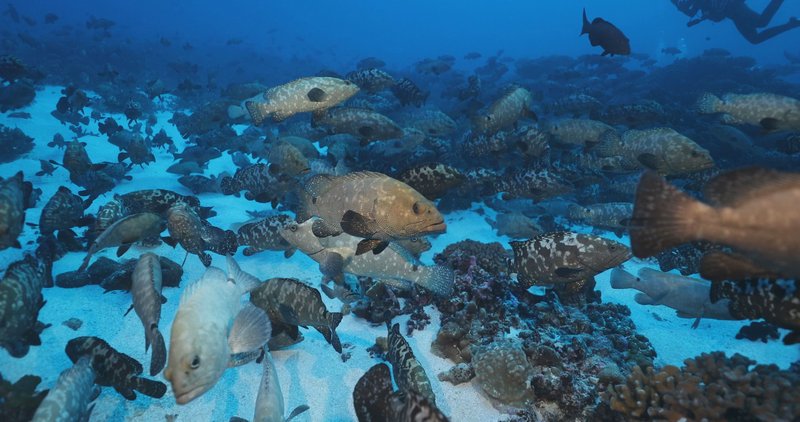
point(747, 21)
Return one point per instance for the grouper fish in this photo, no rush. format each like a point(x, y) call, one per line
point(298, 96)
point(337, 255)
point(146, 285)
point(69, 398)
point(210, 329)
point(124, 233)
point(369, 205)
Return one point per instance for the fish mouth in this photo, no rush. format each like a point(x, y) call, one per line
point(190, 395)
point(438, 227)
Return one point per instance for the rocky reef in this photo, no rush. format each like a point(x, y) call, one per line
point(710, 387)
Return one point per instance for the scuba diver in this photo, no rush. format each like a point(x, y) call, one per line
point(747, 21)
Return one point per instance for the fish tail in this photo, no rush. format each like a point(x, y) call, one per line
point(151, 388)
point(258, 111)
point(708, 104)
point(159, 357)
point(244, 280)
point(586, 24)
point(235, 112)
point(621, 279)
point(297, 410)
point(662, 216)
point(439, 281)
point(329, 332)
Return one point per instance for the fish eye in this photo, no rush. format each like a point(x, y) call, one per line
point(293, 227)
point(195, 362)
point(613, 247)
point(415, 208)
point(414, 239)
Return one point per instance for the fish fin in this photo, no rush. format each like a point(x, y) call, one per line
point(770, 124)
point(251, 330)
point(126, 314)
point(649, 161)
point(604, 53)
point(375, 245)
point(663, 216)
point(332, 265)
point(792, 338)
point(122, 156)
point(151, 388)
point(235, 112)
point(321, 229)
point(644, 299)
point(736, 186)
point(366, 133)
point(288, 315)
point(439, 281)
point(718, 266)
point(159, 356)
point(237, 419)
point(696, 322)
point(246, 281)
point(127, 392)
point(289, 252)
point(334, 318)
point(122, 249)
point(621, 279)
point(587, 26)
point(708, 104)
point(356, 224)
point(328, 291)
point(258, 111)
point(567, 272)
point(297, 410)
point(205, 258)
point(317, 95)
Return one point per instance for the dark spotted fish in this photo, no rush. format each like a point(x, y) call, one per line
point(776, 301)
point(289, 301)
point(200, 184)
point(432, 180)
point(158, 201)
point(265, 235)
point(63, 211)
point(614, 216)
point(565, 257)
point(300, 95)
point(408, 93)
point(532, 183)
point(374, 400)
point(371, 80)
point(196, 235)
point(146, 285)
point(514, 104)
point(364, 124)
point(108, 214)
point(125, 232)
point(69, 398)
point(408, 372)
point(76, 159)
point(12, 210)
point(606, 35)
point(260, 184)
point(20, 302)
point(114, 369)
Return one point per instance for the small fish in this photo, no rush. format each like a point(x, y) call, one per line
point(200, 184)
point(124, 233)
point(159, 201)
point(370, 63)
point(58, 141)
point(371, 80)
point(338, 254)
point(753, 211)
point(146, 291)
point(12, 209)
point(20, 302)
point(259, 182)
point(770, 111)
point(576, 132)
point(69, 398)
point(196, 235)
point(473, 55)
point(47, 168)
point(432, 180)
point(298, 96)
point(775, 300)
point(661, 149)
point(515, 225)
point(286, 159)
point(19, 115)
point(108, 214)
point(435, 66)
point(615, 216)
point(50, 18)
point(289, 301)
point(514, 104)
point(688, 296)
point(672, 51)
point(606, 35)
point(364, 124)
point(575, 105)
point(408, 372)
point(532, 183)
point(269, 402)
point(408, 93)
point(137, 152)
point(369, 205)
point(210, 329)
point(565, 257)
point(266, 235)
point(114, 369)
point(433, 122)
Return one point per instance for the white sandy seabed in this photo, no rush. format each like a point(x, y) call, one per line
point(310, 372)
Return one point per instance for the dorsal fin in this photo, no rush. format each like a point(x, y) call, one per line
point(737, 186)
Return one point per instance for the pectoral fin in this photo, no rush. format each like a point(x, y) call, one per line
point(375, 245)
point(356, 224)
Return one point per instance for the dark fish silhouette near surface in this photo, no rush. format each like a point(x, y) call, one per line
point(606, 35)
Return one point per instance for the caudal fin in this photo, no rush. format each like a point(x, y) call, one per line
point(586, 24)
point(258, 111)
point(244, 280)
point(159, 357)
point(708, 104)
point(329, 332)
point(297, 410)
point(663, 216)
point(621, 279)
point(439, 281)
